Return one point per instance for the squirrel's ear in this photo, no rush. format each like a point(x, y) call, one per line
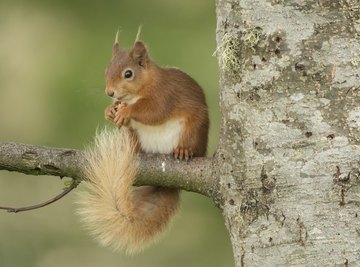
point(140, 54)
point(116, 46)
point(115, 49)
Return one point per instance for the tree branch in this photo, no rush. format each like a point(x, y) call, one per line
point(160, 170)
point(39, 160)
point(66, 191)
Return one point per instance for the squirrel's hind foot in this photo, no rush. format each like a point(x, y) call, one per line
point(183, 153)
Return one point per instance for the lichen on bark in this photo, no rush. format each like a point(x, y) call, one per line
point(290, 119)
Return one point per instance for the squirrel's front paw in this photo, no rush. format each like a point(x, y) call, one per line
point(110, 112)
point(183, 153)
point(122, 116)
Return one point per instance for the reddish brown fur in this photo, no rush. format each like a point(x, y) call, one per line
point(154, 95)
point(165, 94)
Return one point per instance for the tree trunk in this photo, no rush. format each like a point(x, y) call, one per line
point(287, 170)
point(289, 150)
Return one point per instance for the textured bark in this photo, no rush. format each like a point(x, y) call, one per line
point(161, 170)
point(289, 78)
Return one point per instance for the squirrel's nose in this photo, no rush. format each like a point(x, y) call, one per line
point(110, 93)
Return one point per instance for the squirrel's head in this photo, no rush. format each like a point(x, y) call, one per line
point(127, 72)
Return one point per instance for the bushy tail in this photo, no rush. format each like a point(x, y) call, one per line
point(115, 213)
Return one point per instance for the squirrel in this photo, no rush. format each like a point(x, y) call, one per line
point(158, 110)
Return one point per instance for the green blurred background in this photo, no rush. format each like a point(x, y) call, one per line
point(52, 60)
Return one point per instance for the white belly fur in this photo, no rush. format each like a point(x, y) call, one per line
point(159, 139)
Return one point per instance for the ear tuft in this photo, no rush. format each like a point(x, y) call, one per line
point(138, 34)
point(140, 54)
point(116, 46)
point(117, 37)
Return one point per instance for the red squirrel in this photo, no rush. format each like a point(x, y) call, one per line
point(158, 110)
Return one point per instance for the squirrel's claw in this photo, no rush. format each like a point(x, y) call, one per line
point(183, 153)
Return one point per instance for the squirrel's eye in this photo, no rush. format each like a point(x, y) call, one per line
point(128, 74)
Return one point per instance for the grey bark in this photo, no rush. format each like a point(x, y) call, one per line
point(286, 174)
point(159, 170)
point(290, 88)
